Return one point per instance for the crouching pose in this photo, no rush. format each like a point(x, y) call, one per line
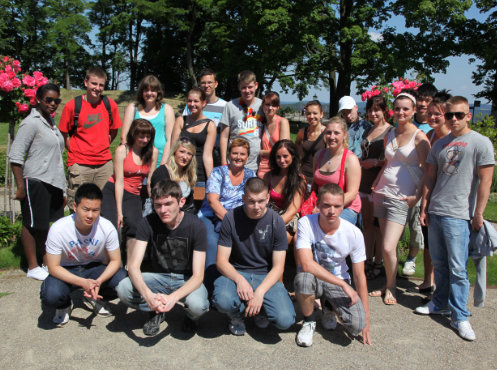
point(175, 244)
point(251, 257)
point(324, 240)
point(82, 252)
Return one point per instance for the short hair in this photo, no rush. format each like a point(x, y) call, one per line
point(377, 101)
point(88, 190)
point(426, 89)
point(198, 91)
point(207, 72)
point(239, 141)
point(314, 102)
point(43, 89)
point(96, 71)
point(440, 99)
point(142, 126)
point(457, 100)
point(150, 82)
point(272, 98)
point(246, 77)
point(330, 188)
point(166, 188)
point(255, 185)
point(343, 126)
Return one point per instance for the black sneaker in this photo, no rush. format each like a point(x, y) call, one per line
point(152, 326)
point(189, 326)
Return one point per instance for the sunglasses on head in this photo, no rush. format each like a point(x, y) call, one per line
point(459, 115)
point(54, 100)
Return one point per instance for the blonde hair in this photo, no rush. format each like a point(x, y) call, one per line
point(343, 126)
point(246, 77)
point(190, 171)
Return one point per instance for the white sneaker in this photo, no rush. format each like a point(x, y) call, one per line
point(98, 307)
point(464, 329)
point(409, 268)
point(38, 273)
point(431, 309)
point(62, 316)
point(329, 319)
point(261, 321)
point(304, 337)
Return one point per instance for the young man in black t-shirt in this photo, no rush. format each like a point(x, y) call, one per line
point(175, 244)
point(251, 257)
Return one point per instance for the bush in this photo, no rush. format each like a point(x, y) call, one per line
point(485, 125)
point(9, 233)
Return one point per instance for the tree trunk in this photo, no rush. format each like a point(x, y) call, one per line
point(189, 46)
point(67, 62)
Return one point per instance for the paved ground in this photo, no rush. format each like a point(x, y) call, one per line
point(401, 339)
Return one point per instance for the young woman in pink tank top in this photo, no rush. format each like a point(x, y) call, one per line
point(133, 162)
point(337, 164)
point(275, 128)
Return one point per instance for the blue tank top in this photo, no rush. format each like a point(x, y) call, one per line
point(159, 123)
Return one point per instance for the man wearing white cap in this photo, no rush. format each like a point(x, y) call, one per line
point(348, 109)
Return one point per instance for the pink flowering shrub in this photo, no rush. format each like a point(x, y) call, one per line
point(390, 91)
point(17, 92)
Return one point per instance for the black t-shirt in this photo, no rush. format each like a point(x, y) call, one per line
point(252, 242)
point(161, 173)
point(172, 250)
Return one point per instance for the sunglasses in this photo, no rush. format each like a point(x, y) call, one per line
point(52, 100)
point(459, 115)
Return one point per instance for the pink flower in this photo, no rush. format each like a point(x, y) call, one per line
point(7, 86)
point(390, 113)
point(397, 91)
point(42, 81)
point(363, 96)
point(23, 108)
point(3, 77)
point(6, 58)
point(17, 66)
point(29, 93)
point(33, 101)
point(16, 83)
point(376, 92)
point(28, 81)
point(37, 75)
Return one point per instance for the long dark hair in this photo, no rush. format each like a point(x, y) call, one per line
point(295, 183)
point(142, 126)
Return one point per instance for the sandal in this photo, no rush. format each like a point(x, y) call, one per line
point(374, 271)
point(389, 298)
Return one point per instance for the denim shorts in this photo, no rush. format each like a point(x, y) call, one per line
point(390, 209)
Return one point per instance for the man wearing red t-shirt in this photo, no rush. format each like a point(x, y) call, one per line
point(89, 159)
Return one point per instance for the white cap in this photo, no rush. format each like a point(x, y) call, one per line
point(347, 102)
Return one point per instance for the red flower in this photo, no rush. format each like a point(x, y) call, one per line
point(23, 108)
point(28, 81)
point(29, 93)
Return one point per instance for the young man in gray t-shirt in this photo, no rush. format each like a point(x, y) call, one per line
point(243, 117)
point(457, 185)
point(251, 257)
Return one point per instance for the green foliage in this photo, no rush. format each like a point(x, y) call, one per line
point(486, 125)
point(9, 233)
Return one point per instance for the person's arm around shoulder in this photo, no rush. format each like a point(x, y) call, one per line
point(284, 129)
point(209, 148)
point(129, 116)
point(169, 123)
point(352, 178)
point(119, 156)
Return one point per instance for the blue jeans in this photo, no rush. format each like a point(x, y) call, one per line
point(196, 303)
point(211, 273)
point(448, 239)
point(277, 304)
point(349, 215)
point(57, 293)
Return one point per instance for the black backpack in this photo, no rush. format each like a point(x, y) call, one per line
point(78, 102)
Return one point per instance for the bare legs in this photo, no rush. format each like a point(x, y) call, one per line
point(29, 238)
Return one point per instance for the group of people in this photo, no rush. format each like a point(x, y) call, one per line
point(208, 204)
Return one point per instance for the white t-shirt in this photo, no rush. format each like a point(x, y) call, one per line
point(330, 251)
point(78, 249)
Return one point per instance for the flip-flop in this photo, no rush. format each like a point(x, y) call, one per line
point(377, 293)
point(389, 298)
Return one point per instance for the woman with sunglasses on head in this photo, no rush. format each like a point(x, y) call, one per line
point(149, 105)
point(398, 185)
point(181, 166)
point(202, 132)
point(224, 191)
point(38, 168)
point(372, 160)
point(133, 162)
point(275, 128)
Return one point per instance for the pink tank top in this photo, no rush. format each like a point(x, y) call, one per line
point(322, 179)
point(277, 198)
point(266, 144)
point(133, 174)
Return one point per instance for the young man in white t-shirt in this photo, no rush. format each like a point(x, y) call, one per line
point(323, 242)
point(82, 252)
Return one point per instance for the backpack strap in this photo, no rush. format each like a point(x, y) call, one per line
point(78, 102)
point(106, 101)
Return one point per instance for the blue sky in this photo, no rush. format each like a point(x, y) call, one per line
point(457, 78)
